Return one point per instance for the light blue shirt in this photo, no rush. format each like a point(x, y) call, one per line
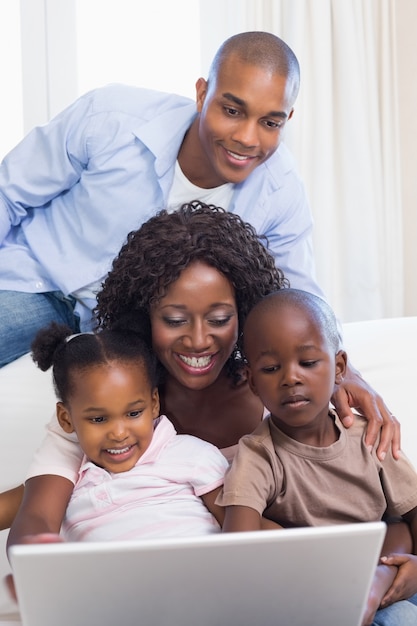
point(73, 189)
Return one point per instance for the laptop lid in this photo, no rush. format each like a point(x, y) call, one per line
point(296, 577)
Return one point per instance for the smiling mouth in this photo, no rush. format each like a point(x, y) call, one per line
point(239, 157)
point(117, 451)
point(196, 361)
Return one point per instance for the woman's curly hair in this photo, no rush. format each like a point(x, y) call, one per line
point(154, 256)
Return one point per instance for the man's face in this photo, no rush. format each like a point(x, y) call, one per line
point(242, 116)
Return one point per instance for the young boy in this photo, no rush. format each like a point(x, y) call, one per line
point(300, 467)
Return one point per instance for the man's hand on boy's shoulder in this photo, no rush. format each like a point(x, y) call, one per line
point(355, 393)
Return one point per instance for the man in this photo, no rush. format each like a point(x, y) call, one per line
point(72, 189)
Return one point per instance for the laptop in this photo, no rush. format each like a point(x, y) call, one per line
point(295, 577)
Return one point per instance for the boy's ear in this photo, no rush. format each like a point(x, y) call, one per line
point(251, 381)
point(341, 364)
point(64, 418)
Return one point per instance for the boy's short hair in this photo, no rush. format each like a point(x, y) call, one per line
point(317, 308)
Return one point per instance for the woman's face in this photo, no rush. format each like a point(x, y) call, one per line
point(195, 326)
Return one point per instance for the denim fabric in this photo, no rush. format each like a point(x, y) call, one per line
point(402, 613)
point(23, 314)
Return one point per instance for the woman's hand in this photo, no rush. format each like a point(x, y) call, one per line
point(404, 584)
point(355, 393)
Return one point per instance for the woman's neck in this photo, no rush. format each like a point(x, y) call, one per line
point(219, 414)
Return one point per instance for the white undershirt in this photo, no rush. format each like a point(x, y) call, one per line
point(182, 191)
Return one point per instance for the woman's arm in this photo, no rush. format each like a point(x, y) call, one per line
point(9, 505)
point(43, 507)
point(59, 453)
point(40, 515)
point(50, 481)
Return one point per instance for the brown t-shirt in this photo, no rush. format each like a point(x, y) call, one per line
point(295, 484)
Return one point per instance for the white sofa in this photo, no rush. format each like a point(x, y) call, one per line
point(383, 350)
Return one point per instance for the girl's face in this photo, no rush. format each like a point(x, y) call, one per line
point(195, 326)
point(112, 409)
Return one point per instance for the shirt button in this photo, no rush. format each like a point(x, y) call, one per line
point(39, 284)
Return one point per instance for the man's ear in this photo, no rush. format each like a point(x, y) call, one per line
point(341, 364)
point(64, 418)
point(201, 88)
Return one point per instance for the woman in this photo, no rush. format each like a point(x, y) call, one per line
point(190, 278)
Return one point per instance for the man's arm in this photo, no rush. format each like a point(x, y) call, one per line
point(48, 161)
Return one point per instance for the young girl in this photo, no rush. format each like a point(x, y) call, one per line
point(138, 478)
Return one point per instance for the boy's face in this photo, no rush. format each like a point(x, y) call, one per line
point(293, 368)
point(112, 410)
point(242, 116)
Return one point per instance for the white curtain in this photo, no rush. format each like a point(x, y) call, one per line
point(344, 134)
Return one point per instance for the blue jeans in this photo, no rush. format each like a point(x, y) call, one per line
point(403, 613)
point(23, 314)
